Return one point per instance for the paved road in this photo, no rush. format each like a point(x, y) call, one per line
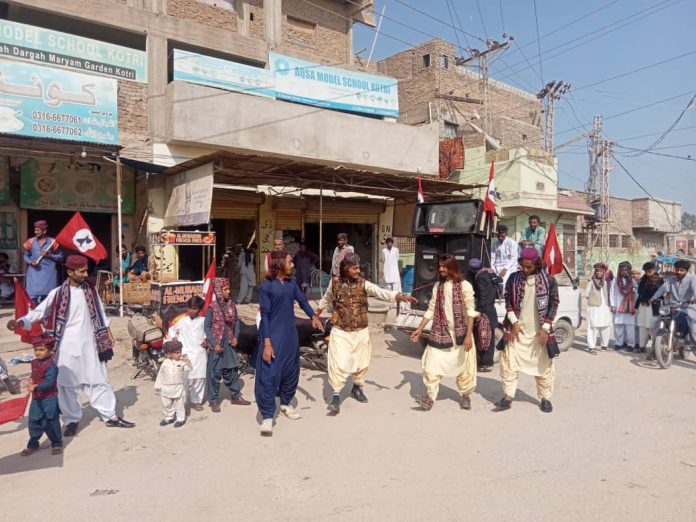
point(620, 445)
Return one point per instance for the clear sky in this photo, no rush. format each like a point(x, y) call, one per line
point(612, 38)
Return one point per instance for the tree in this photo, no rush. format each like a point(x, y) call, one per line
point(688, 221)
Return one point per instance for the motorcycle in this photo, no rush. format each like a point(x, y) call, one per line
point(672, 334)
point(9, 382)
point(314, 344)
point(147, 347)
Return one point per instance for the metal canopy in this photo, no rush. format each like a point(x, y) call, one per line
point(252, 170)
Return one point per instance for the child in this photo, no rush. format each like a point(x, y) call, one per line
point(190, 333)
point(623, 306)
point(170, 383)
point(598, 311)
point(43, 412)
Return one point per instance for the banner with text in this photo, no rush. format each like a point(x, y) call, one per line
point(190, 197)
point(43, 102)
point(39, 45)
point(334, 88)
point(224, 74)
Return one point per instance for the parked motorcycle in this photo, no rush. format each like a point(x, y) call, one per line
point(9, 382)
point(672, 334)
point(147, 346)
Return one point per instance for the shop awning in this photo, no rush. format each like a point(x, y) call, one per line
point(44, 147)
point(145, 166)
point(253, 170)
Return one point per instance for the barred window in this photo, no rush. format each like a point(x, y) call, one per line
point(613, 241)
point(625, 241)
point(582, 239)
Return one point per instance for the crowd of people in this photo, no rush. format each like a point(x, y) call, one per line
point(200, 349)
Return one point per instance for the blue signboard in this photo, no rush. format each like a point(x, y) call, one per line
point(232, 76)
point(52, 103)
point(53, 48)
point(334, 88)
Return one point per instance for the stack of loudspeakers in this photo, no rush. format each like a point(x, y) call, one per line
point(445, 228)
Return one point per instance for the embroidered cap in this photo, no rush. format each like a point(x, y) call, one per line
point(351, 259)
point(42, 224)
point(529, 254)
point(475, 263)
point(172, 346)
point(43, 340)
point(76, 262)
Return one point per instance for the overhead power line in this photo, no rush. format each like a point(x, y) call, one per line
point(536, 20)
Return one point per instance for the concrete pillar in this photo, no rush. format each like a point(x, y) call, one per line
point(385, 229)
point(273, 22)
point(242, 9)
point(157, 73)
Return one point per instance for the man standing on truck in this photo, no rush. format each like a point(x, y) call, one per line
point(449, 352)
point(504, 254)
point(531, 301)
point(350, 347)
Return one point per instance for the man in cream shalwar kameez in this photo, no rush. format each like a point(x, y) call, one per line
point(390, 262)
point(599, 315)
point(531, 297)
point(450, 352)
point(350, 348)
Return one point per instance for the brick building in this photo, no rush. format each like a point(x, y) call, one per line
point(434, 89)
point(264, 145)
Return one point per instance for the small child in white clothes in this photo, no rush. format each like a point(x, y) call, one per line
point(190, 333)
point(171, 381)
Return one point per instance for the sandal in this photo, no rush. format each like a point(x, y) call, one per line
point(593, 351)
point(425, 403)
point(28, 451)
point(57, 451)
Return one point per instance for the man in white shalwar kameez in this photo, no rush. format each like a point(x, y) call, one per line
point(350, 348)
point(390, 262)
point(504, 254)
point(190, 333)
point(449, 352)
point(598, 312)
point(531, 298)
point(75, 317)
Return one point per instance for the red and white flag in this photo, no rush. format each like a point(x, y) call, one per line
point(552, 252)
point(208, 288)
point(77, 235)
point(23, 304)
point(421, 199)
point(489, 201)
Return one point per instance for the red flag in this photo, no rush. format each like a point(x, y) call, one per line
point(13, 409)
point(77, 236)
point(23, 304)
point(421, 199)
point(552, 253)
point(489, 201)
point(208, 287)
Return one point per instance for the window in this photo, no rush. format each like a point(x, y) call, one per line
point(540, 186)
point(582, 239)
point(613, 241)
point(444, 61)
point(450, 130)
point(426, 61)
point(625, 241)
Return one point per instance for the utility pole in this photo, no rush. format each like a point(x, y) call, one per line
point(597, 196)
point(551, 92)
point(492, 48)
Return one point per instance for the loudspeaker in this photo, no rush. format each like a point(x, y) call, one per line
point(448, 217)
point(428, 250)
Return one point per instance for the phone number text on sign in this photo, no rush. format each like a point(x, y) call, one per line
point(51, 116)
point(55, 129)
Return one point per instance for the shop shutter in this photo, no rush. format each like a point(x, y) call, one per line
point(357, 212)
point(228, 204)
point(288, 219)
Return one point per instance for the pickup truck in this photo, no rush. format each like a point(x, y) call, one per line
point(567, 321)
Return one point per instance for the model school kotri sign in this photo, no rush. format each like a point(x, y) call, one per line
point(44, 46)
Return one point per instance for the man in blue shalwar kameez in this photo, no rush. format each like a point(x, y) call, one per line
point(42, 256)
point(278, 359)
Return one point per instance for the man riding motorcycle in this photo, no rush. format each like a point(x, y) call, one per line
point(681, 289)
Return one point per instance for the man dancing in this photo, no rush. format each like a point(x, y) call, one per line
point(350, 348)
point(531, 298)
point(74, 317)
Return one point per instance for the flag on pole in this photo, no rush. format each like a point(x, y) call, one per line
point(77, 235)
point(552, 252)
point(489, 201)
point(23, 304)
point(421, 199)
point(208, 287)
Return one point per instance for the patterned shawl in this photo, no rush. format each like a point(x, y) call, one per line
point(647, 289)
point(56, 318)
point(546, 295)
point(484, 332)
point(439, 333)
point(627, 291)
point(598, 282)
point(224, 312)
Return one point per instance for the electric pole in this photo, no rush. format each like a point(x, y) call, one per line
point(597, 196)
point(551, 92)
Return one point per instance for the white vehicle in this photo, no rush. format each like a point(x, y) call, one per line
point(568, 317)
